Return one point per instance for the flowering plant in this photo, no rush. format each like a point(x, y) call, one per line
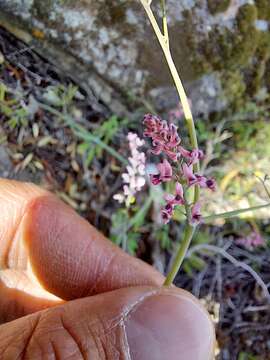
point(179, 164)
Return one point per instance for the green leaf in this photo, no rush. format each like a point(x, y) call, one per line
point(196, 262)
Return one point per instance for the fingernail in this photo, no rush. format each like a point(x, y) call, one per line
point(168, 326)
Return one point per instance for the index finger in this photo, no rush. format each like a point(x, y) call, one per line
point(68, 256)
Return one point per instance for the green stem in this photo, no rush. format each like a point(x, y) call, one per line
point(183, 247)
point(230, 214)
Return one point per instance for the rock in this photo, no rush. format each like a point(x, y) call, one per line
point(110, 49)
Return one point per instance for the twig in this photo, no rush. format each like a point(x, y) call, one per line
point(235, 262)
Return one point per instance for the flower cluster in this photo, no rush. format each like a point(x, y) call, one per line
point(134, 177)
point(166, 141)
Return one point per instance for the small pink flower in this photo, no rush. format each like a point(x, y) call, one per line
point(211, 184)
point(155, 179)
point(179, 194)
point(178, 198)
point(203, 182)
point(165, 170)
point(164, 136)
point(165, 173)
point(188, 174)
point(174, 156)
point(192, 156)
point(196, 215)
point(252, 240)
point(173, 137)
point(200, 180)
point(166, 215)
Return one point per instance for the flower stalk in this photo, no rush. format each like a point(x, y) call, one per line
point(163, 39)
point(181, 253)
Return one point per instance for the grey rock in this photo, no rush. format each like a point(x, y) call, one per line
point(110, 49)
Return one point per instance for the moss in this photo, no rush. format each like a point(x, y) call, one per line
point(258, 68)
point(234, 86)
point(217, 6)
point(263, 7)
point(246, 16)
point(240, 54)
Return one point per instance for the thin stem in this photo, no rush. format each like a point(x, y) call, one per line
point(230, 258)
point(178, 84)
point(230, 214)
point(164, 21)
point(264, 185)
point(183, 247)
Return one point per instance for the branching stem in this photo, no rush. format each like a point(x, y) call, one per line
point(164, 43)
point(163, 39)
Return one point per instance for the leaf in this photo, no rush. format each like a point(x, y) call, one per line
point(196, 262)
point(187, 268)
point(132, 243)
point(82, 148)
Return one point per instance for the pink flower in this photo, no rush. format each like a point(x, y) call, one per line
point(211, 184)
point(134, 177)
point(166, 216)
point(196, 179)
point(196, 215)
point(178, 198)
point(165, 173)
point(192, 156)
point(164, 136)
point(188, 174)
point(253, 240)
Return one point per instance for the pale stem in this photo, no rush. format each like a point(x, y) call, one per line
point(230, 258)
point(164, 43)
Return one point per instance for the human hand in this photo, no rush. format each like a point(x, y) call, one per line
point(66, 292)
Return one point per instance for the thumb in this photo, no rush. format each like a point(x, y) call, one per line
point(138, 323)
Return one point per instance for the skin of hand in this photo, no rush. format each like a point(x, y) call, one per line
point(66, 292)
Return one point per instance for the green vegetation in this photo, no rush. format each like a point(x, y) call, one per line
point(105, 133)
point(217, 6)
point(240, 54)
point(263, 9)
point(16, 112)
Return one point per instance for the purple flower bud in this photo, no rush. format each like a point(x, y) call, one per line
point(166, 216)
point(211, 184)
point(165, 170)
point(196, 215)
point(155, 179)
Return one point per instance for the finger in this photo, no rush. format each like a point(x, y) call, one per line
point(134, 323)
point(19, 293)
point(69, 257)
point(20, 296)
point(72, 259)
point(15, 197)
